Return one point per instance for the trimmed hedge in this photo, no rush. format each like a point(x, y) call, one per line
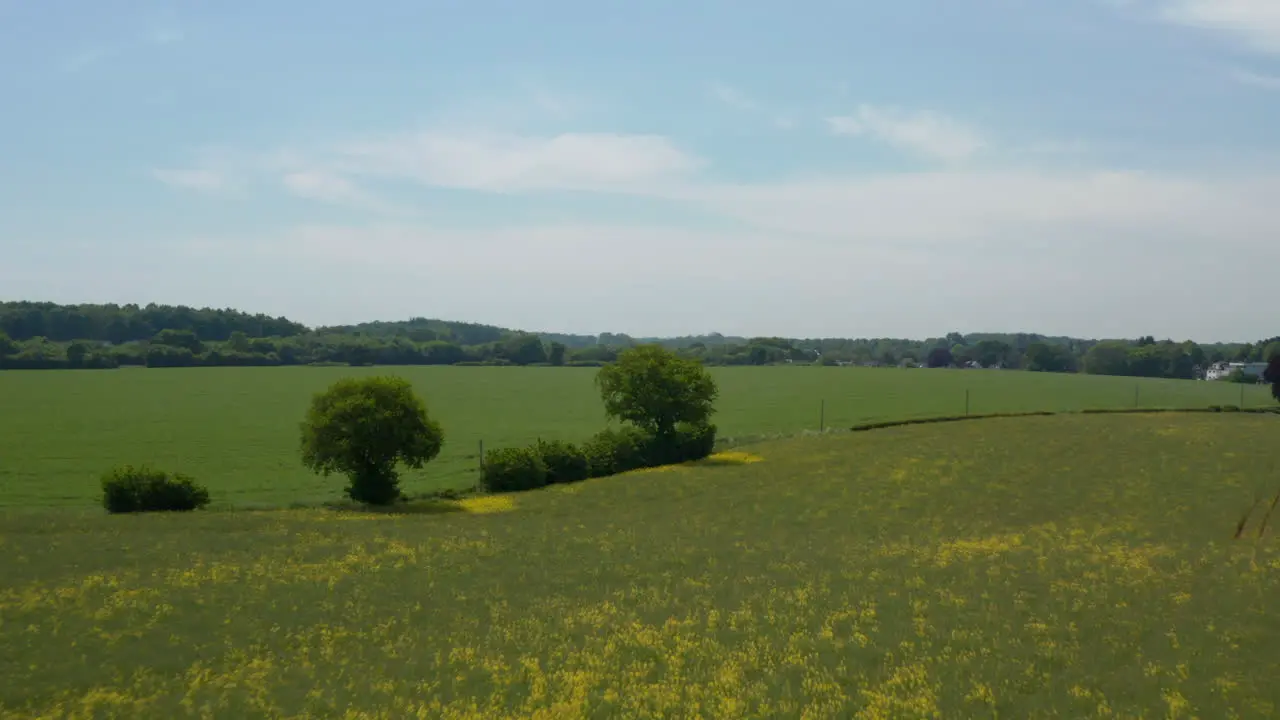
point(129, 489)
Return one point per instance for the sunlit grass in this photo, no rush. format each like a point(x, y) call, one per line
point(735, 457)
point(1075, 566)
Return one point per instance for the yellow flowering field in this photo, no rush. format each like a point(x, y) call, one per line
point(1068, 566)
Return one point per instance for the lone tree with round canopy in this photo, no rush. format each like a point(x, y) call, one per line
point(656, 390)
point(364, 428)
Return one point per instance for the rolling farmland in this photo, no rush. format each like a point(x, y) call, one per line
point(236, 429)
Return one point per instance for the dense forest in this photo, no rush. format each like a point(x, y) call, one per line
point(50, 336)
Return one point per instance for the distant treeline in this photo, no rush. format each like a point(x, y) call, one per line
point(50, 336)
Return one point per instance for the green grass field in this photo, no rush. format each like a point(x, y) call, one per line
point(1068, 566)
point(236, 429)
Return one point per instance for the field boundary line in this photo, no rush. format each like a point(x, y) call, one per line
point(1047, 413)
point(743, 440)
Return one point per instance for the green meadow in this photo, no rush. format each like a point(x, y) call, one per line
point(1066, 566)
point(236, 429)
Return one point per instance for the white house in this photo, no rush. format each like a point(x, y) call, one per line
point(1217, 371)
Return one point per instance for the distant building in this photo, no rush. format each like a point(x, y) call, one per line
point(1220, 370)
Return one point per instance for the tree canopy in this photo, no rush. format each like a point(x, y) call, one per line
point(50, 336)
point(940, 357)
point(363, 428)
point(655, 389)
point(1272, 375)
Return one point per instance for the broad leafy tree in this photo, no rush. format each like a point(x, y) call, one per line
point(1270, 351)
point(940, 357)
point(1272, 375)
point(1110, 357)
point(1044, 357)
point(556, 355)
point(76, 354)
point(364, 428)
point(239, 342)
point(178, 339)
point(524, 349)
point(991, 352)
point(656, 390)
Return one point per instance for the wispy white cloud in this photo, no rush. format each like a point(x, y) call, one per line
point(740, 101)
point(1048, 250)
point(510, 163)
point(1258, 80)
point(1004, 208)
point(1255, 22)
point(732, 97)
point(921, 132)
point(332, 188)
point(1077, 249)
point(202, 179)
point(488, 162)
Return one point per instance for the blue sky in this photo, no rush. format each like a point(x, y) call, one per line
point(1100, 168)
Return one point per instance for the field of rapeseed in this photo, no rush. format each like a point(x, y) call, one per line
point(1017, 568)
point(235, 430)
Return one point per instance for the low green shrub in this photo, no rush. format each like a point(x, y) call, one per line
point(513, 470)
point(129, 489)
point(690, 442)
point(697, 442)
point(617, 450)
point(565, 462)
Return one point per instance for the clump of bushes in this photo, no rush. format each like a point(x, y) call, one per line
point(609, 452)
point(666, 401)
point(617, 450)
point(566, 462)
point(692, 442)
point(513, 470)
point(529, 468)
point(129, 489)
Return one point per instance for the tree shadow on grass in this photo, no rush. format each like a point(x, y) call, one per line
point(471, 504)
point(412, 507)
